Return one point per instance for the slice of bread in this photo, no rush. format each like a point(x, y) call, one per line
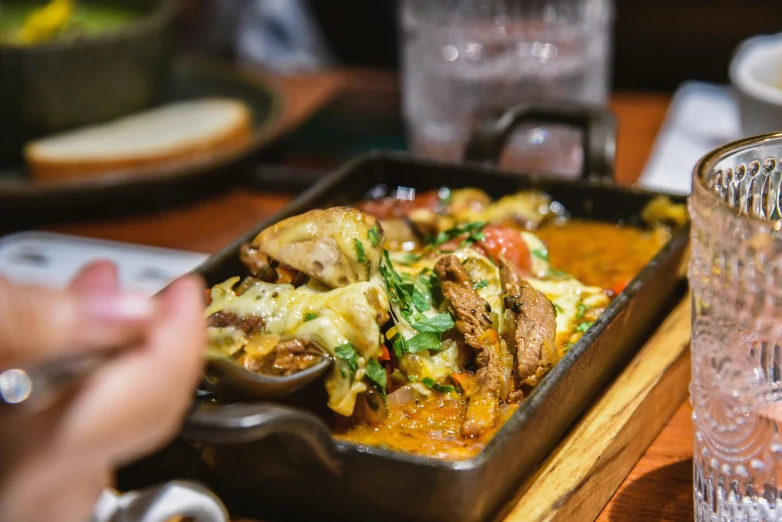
point(182, 132)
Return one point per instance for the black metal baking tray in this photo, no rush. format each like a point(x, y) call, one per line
point(279, 461)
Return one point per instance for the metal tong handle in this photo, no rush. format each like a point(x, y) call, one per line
point(35, 387)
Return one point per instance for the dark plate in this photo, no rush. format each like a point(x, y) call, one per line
point(191, 78)
point(273, 461)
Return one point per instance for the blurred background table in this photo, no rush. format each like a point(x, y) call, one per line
point(660, 485)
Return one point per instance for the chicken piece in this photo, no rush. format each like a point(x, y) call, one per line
point(468, 200)
point(474, 322)
point(337, 246)
point(532, 330)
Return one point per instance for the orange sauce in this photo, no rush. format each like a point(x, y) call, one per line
point(601, 254)
point(428, 427)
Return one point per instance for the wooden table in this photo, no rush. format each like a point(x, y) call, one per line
point(660, 485)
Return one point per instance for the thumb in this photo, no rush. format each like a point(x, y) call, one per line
point(39, 323)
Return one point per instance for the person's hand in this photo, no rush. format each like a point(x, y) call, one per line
point(54, 464)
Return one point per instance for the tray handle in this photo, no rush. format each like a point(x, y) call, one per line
point(241, 423)
point(597, 124)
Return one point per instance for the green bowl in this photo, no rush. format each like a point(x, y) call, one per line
point(67, 83)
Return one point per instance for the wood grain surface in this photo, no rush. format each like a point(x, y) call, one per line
point(591, 462)
point(657, 488)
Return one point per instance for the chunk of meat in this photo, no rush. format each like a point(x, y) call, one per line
point(337, 246)
point(286, 358)
point(532, 334)
point(249, 324)
point(474, 322)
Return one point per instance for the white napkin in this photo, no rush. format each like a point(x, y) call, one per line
point(48, 259)
point(701, 117)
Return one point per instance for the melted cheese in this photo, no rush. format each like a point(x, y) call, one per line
point(567, 294)
point(351, 314)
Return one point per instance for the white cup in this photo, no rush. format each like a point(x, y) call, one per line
point(160, 504)
point(756, 75)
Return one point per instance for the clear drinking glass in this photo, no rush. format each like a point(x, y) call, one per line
point(736, 279)
point(468, 60)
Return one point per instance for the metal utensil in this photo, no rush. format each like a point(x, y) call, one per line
point(34, 387)
point(232, 381)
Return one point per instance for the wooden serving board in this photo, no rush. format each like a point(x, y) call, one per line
point(582, 473)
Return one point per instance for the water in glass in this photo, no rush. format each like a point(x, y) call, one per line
point(464, 61)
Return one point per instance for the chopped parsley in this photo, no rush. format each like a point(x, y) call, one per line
point(404, 291)
point(400, 346)
point(423, 341)
point(474, 232)
point(559, 274)
point(437, 324)
point(420, 300)
point(569, 346)
point(310, 317)
point(432, 284)
point(377, 375)
point(347, 353)
point(583, 327)
point(480, 284)
point(558, 308)
point(362, 257)
point(440, 388)
point(408, 259)
point(374, 236)
point(540, 253)
point(580, 310)
point(414, 297)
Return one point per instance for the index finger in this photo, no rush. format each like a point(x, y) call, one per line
point(37, 324)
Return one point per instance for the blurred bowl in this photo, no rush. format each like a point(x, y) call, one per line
point(66, 83)
point(756, 75)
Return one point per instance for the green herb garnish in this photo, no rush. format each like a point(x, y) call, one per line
point(347, 353)
point(423, 341)
point(558, 309)
point(432, 284)
point(362, 257)
point(580, 310)
point(374, 236)
point(473, 230)
point(400, 346)
point(480, 284)
point(540, 253)
point(310, 317)
point(408, 259)
point(440, 388)
point(437, 324)
point(583, 327)
point(377, 375)
point(420, 300)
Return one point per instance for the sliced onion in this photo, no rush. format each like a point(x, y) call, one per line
point(261, 344)
point(402, 396)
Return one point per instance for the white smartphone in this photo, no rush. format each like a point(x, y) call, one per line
point(49, 259)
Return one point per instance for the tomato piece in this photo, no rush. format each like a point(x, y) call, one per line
point(618, 287)
point(385, 356)
point(389, 208)
point(428, 200)
point(386, 208)
point(507, 242)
